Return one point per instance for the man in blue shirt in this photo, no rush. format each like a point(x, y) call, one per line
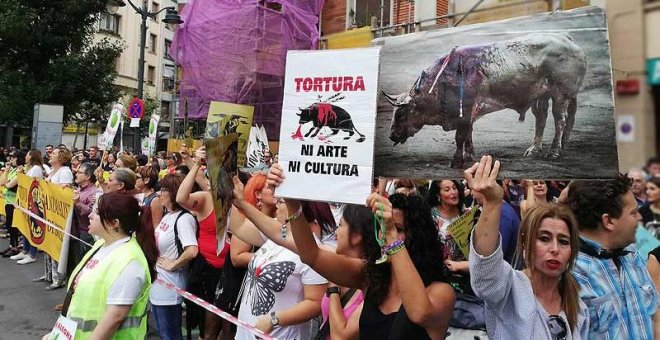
point(614, 282)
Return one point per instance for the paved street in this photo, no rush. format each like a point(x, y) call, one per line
point(26, 309)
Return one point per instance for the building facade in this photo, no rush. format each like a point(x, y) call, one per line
point(159, 69)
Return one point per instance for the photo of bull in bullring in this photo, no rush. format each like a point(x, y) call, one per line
point(448, 95)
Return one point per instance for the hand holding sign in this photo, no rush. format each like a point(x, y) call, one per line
point(238, 189)
point(382, 207)
point(275, 176)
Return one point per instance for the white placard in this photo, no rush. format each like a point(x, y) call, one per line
point(64, 329)
point(625, 128)
point(111, 128)
point(328, 124)
point(135, 122)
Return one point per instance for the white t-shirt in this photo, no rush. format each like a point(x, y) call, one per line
point(35, 171)
point(274, 282)
point(62, 176)
point(128, 286)
point(187, 228)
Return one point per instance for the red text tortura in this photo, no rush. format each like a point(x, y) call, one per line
point(336, 84)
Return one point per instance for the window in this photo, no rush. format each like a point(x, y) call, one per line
point(164, 110)
point(151, 75)
point(109, 23)
point(168, 78)
point(155, 7)
point(153, 40)
point(168, 46)
point(364, 10)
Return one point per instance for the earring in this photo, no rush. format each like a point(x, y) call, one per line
point(260, 204)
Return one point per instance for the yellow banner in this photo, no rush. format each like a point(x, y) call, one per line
point(460, 231)
point(2, 201)
point(52, 203)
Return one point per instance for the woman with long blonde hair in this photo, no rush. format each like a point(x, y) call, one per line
point(542, 300)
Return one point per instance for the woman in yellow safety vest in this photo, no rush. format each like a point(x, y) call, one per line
point(109, 290)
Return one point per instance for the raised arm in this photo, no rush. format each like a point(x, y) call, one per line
point(343, 270)
point(430, 307)
point(268, 226)
point(482, 179)
point(199, 202)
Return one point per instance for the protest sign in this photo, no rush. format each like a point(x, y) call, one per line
point(222, 156)
point(328, 122)
point(257, 146)
point(228, 118)
point(105, 143)
point(460, 230)
point(64, 329)
point(153, 133)
point(452, 95)
point(50, 202)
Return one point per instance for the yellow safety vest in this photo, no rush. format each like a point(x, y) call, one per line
point(88, 302)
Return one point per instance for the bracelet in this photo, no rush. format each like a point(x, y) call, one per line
point(294, 216)
point(395, 247)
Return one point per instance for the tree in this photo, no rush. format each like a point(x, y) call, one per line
point(47, 54)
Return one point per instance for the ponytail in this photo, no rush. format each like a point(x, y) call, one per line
point(146, 237)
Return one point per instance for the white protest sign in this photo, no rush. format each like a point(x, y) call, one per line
point(64, 329)
point(153, 132)
point(113, 124)
point(328, 124)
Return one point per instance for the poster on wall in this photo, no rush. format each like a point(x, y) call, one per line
point(228, 118)
point(534, 92)
point(328, 122)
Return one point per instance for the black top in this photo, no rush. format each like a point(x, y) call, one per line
point(648, 215)
point(656, 252)
point(395, 326)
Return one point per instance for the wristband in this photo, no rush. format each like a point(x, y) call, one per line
point(290, 219)
point(294, 216)
point(395, 247)
point(331, 290)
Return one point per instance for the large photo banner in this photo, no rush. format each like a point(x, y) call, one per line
point(50, 202)
point(534, 92)
point(328, 123)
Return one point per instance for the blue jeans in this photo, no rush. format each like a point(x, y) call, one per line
point(168, 321)
point(28, 248)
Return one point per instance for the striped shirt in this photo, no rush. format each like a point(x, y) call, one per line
point(621, 300)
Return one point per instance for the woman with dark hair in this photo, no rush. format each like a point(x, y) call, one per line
point(536, 193)
point(147, 183)
point(405, 293)
point(109, 289)
point(15, 162)
point(206, 274)
point(176, 236)
point(542, 300)
point(109, 163)
point(650, 211)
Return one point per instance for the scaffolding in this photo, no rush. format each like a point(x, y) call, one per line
point(236, 53)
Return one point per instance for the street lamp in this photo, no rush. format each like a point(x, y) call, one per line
point(171, 18)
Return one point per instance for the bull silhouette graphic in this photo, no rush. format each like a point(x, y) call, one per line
point(324, 114)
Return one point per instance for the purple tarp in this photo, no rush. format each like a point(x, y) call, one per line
point(235, 51)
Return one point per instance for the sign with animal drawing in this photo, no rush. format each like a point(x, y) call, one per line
point(451, 95)
point(227, 118)
point(328, 123)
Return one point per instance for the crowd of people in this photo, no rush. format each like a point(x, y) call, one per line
point(545, 260)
